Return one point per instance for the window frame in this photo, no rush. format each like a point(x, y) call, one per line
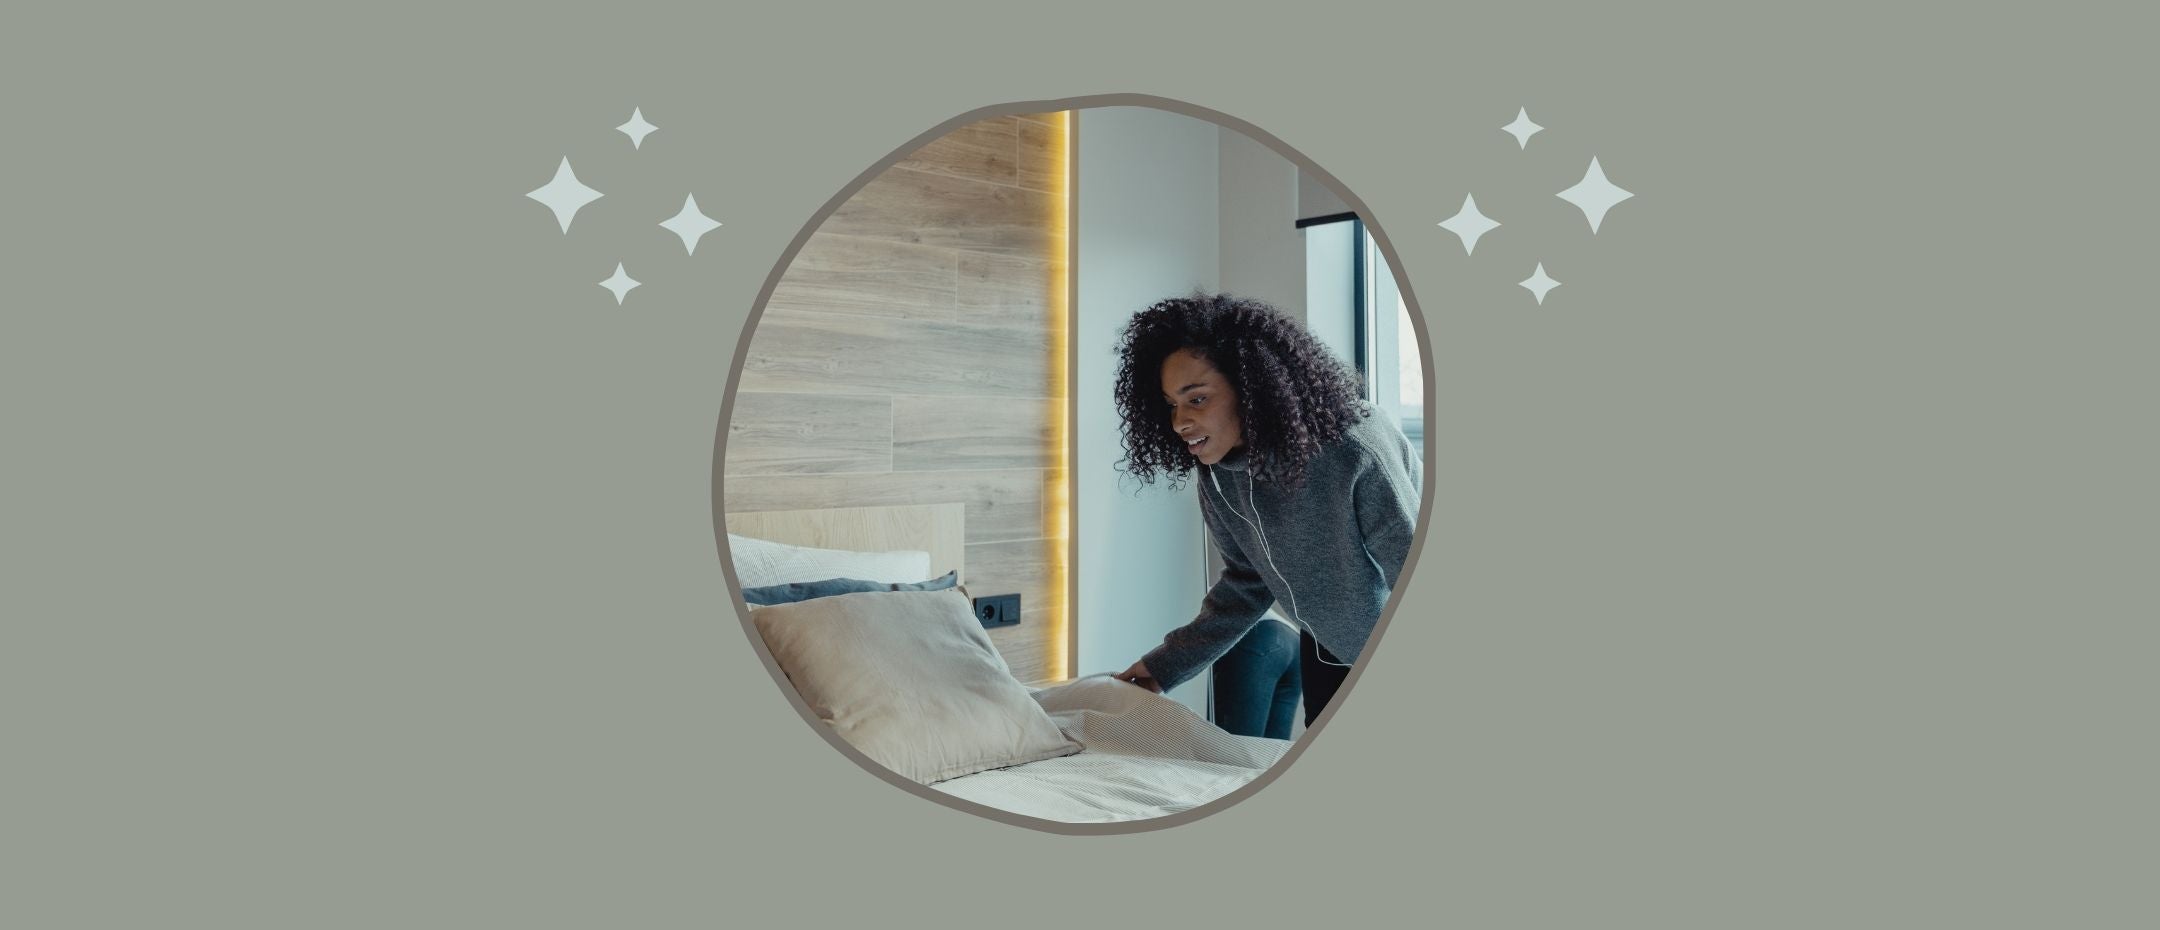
point(1364, 303)
point(1362, 326)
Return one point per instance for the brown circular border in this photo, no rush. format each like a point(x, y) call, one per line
point(742, 351)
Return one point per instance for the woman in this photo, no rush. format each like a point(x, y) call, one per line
point(1311, 496)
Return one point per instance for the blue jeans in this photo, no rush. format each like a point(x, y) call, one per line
point(1257, 682)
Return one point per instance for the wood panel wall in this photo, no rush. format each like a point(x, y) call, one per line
point(906, 357)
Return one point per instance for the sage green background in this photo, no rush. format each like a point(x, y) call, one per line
point(1791, 566)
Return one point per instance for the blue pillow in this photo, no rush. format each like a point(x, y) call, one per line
point(806, 590)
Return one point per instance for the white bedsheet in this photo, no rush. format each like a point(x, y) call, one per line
point(1146, 756)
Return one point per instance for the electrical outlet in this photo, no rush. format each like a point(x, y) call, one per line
point(995, 610)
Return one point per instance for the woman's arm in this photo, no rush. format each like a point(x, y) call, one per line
point(1387, 497)
point(1236, 601)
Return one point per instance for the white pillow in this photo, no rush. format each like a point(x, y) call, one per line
point(910, 679)
point(762, 562)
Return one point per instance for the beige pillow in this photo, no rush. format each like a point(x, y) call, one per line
point(910, 679)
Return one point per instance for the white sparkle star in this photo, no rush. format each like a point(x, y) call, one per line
point(1522, 128)
point(620, 283)
point(690, 224)
point(637, 128)
point(565, 195)
point(1538, 283)
point(1594, 195)
point(1469, 224)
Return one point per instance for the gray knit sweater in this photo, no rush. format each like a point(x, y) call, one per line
point(1331, 554)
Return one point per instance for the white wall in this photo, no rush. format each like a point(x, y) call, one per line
point(1315, 199)
point(1148, 227)
point(1263, 254)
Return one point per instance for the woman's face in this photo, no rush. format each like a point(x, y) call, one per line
point(1203, 408)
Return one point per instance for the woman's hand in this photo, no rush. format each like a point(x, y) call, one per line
point(1138, 675)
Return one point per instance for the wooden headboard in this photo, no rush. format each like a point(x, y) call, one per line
point(938, 528)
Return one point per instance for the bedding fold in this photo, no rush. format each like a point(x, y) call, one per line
point(1144, 756)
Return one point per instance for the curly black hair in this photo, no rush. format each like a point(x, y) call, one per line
point(1294, 396)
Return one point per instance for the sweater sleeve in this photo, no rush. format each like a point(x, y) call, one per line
point(1237, 601)
point(1387, 507)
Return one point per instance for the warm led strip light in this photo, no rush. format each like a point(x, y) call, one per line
point(1060, 506)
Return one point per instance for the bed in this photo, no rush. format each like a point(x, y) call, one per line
point(1136, 755)
point(1145, 756)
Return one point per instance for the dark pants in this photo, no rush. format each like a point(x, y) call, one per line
point(1320, 678)
point(1256, 683)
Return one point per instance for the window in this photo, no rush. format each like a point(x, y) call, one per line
point(1354, 307)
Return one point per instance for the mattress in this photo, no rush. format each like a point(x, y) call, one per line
point(1145, 756)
